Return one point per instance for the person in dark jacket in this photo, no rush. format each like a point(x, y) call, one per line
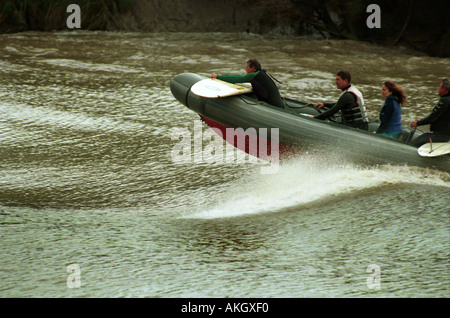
point(263, 86)
point(439, 119)
point(391, 113)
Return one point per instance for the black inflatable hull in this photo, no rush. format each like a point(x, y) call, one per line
point(299, 133)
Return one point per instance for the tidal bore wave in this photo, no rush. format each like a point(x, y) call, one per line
point(303, 182)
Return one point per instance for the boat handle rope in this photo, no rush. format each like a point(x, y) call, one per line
point(248, 103)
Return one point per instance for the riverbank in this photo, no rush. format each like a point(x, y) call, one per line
point(419, 25)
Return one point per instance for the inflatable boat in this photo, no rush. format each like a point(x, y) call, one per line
point(297, 132)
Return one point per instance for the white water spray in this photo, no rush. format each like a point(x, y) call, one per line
point(305, 181)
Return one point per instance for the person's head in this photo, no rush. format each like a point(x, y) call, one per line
point(444, 87)
point(390, 88)
point(385, 91)
point(343, 79)
point(252, 66)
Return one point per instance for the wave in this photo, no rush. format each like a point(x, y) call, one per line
point(26, 115)
point(75, 64)
point(304, 181)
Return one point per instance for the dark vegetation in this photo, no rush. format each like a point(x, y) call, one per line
point(421, 25)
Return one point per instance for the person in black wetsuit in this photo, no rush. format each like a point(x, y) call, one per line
point(263, 86)
point(439, 119)
point(350, 104)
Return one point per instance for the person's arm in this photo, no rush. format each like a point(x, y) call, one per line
point(237, 78)
point(387, 112)
point(345, 100)
point(437, 112)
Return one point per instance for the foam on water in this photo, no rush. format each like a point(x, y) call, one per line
point(305, 181)
point(47, 117)
point(70, 63)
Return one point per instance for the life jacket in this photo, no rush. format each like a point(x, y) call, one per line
point(266, 90)
point(356, 114)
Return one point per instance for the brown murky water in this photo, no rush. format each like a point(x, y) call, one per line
point(86, 176)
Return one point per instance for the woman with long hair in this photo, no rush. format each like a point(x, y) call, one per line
point(390, 114)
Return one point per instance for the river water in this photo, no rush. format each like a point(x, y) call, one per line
point(92, 204)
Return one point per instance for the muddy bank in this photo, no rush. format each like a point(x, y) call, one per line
point(420, 25)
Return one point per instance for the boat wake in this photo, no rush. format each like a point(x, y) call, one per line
point(304, 181)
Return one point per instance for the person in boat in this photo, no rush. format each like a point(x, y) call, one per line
point(350, 104)
point(263, 86)
point(439, 119)
point(391, 113)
